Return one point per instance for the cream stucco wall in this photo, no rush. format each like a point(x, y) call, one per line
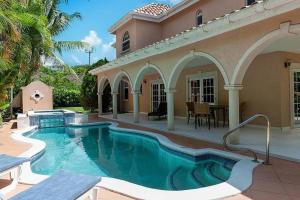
point(131, 28)
point(266, 89)
point(186, 19)
point(46, 103)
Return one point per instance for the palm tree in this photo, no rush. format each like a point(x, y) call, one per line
point(58, 22)
point(24, 34)
point(27, 29)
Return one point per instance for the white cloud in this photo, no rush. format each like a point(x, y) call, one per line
point(92, 39)
point(101, 49)
point(107, 48)
point(76, 59)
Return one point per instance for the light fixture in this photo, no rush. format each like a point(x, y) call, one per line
point(287, 63)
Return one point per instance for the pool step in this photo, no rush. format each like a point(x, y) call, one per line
point(211, 173)
point(182, 179)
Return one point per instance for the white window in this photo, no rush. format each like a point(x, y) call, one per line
point(203, 88)
point(250, 2)
point(126, 42)
point(199, 18)
point(125, 90)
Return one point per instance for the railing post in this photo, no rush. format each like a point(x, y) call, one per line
point(267, 161)
point(249, 120)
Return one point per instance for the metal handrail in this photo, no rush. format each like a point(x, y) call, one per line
point(231, 148)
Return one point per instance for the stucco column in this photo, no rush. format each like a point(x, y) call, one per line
point(170, 105)
point(99, 103)
point(234, 110)
point(115, 105)
point(136, 112)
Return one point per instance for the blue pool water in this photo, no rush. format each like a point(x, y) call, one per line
point(97, 150)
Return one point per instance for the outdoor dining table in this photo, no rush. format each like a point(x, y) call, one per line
point(216, 110)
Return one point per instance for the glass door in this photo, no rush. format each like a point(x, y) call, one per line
point(296, 98)
point(208, 90)
point(158, 94)
point(195, 95)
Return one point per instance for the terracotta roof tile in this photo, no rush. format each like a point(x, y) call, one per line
point(153, 9)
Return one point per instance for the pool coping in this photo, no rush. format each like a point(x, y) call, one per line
point(240, 178)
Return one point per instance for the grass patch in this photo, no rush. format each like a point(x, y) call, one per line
point(75, 109)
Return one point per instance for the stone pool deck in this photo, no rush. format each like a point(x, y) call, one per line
point(281, 180)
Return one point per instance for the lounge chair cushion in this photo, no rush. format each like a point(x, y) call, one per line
point(60, 186)
point(8, 162)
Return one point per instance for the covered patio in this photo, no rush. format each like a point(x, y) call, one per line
point(283, 145)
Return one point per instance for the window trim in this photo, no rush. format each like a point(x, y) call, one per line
point(200, 76)
point(124, 41)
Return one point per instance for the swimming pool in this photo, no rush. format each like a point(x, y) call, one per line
point(139, 159)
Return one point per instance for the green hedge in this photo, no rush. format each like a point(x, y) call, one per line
point(66, 98)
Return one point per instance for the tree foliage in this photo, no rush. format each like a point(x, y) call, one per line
point(27, 31)
point(89, 98)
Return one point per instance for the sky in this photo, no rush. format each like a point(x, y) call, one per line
point(97, 17)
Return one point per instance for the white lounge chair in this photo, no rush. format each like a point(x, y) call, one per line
point(11, 165)
point(62, 186)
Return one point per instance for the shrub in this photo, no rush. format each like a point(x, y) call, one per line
point(66, 98)
point(89, 97)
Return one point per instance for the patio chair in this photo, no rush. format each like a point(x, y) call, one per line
point(11, 165)
point(161, 111)
point(62, 186)
point(190, 110)
point(202, 111)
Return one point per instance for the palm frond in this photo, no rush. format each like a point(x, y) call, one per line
point(61, 46)
point(66, 67)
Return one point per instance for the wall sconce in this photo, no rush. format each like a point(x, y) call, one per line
point(287, 63)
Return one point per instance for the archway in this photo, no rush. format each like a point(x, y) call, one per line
point(183, 62)
point(104, 96)
point(268, 71)
point(197, 77)
point(149, 88)
point(285, 31)
point(122, 87)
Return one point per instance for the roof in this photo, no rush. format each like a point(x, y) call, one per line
point(153, 9)
point(154, 12)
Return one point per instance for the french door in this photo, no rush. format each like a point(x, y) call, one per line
point(295, 89)
point(158, 94)
point(202, 89)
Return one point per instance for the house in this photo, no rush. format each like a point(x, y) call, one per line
point(220, 52)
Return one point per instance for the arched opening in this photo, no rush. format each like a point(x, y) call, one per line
point(104, 96)
point(122, 86)
point(150, 84)
point(199, 78)
point(269, 72)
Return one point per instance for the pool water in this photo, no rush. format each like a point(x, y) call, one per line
point(97, 150)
